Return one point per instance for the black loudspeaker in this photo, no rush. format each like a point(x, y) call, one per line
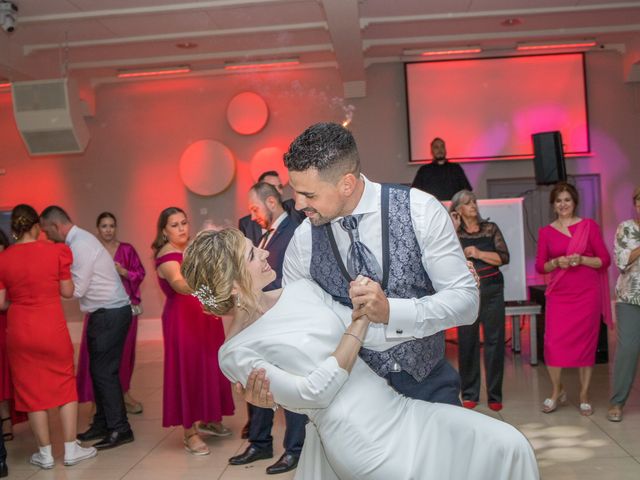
point(549, 158)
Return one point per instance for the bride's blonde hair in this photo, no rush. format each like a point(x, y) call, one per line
point(213, 264)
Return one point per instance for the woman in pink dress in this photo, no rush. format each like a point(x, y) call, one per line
point(132, 273)
point(572, 251)
point(195, 392)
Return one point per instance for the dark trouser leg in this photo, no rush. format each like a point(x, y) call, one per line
point(3, 450)
point(106, 333)
point(260, 428)
point(492, 318)
point(294, 434)
point(442, 385)
point(469, 359)
point(627, 351)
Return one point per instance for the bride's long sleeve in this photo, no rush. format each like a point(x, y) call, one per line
point(314, 390)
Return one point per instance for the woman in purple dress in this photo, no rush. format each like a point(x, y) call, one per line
point(132, 273)
point(195, 392)
point(572, 251)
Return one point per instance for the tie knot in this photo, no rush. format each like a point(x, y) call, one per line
point(350, 222)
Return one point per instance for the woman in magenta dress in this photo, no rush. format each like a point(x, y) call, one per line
point(572, 251)
point(33, 276)
point(195, 392)
point(132, 273)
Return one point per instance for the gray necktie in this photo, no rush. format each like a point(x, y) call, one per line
point(360, 260)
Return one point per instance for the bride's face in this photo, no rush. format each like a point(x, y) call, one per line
point(261, 272)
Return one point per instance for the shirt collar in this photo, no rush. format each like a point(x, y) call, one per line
point(279, 220)
point(71, 235)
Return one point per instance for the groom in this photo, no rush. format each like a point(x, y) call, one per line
point(403, 239)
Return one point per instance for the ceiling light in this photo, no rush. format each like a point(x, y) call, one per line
point(186, 45)
point(153, 72)
point(578, 44)
point(262, 64)
point(511, 22)
point(430, 52)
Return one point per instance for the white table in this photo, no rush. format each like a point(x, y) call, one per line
point(516, 310)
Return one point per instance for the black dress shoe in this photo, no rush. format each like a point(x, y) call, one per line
point(4, 470)
point(94, 433)
point(245, 431)
point(251, 454)
point(288, 461)
point(114, 439)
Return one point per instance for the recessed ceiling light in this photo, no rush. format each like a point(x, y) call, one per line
point(511, 22)
point(186, 45)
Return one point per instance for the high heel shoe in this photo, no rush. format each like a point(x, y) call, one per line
point(550, 405)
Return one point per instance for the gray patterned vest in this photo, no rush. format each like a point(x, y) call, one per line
point(403, 277)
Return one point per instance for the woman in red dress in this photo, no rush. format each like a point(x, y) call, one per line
point(5, 377)
point(195, 392)
point(33, 276)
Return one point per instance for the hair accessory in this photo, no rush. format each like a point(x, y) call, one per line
point(206, 297)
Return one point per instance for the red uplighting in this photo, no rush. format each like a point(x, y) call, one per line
point(450, 52)
point(249, 66)
point(556, 46)
point(153, 73)
point(5, 85)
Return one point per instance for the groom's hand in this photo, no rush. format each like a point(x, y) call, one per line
point(257, 390)
point(369, 299)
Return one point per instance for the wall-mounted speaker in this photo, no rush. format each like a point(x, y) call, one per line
point(49, 116)
point(548, 158)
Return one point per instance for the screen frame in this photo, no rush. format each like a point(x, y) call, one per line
point(585, 153)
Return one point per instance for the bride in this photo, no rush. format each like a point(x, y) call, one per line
point(360, 428)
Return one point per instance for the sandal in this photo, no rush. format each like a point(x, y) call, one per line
point(6, 436)
point(212, 428)
point(586, 409)
point(550, 405)
point(198, 451)
point(133, 408)
point(615, 413)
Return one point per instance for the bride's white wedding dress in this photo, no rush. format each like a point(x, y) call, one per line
point(360, 428)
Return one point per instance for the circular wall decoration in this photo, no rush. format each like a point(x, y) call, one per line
point(207, 167)
point(247, 113)
point(266, 159)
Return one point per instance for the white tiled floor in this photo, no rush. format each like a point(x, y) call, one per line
point(568, 446)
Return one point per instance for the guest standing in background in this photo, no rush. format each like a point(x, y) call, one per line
point(627, 255)
point(131, 272)
point(33, 275)
point(441, 178)
point(101, 294)
point(484, 245)
point(196, 395)
point(572, 251)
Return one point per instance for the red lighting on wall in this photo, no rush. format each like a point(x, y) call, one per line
point(450, 52)
point(5, 85)
point(153, 72)
point(554, 46)
point(260, 65)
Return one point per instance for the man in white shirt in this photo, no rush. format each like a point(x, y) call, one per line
point(101, 296)
point(407, 243)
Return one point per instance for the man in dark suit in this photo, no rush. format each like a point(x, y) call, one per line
point(251, 229)
point(275, 229)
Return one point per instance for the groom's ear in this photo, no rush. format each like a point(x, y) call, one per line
point(348, 184)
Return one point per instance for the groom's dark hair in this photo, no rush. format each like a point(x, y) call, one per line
point(328, 147)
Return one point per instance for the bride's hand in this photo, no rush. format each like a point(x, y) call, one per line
point(368, 299)
point(257, 391)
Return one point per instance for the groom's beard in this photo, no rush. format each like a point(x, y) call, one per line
point(317, 219)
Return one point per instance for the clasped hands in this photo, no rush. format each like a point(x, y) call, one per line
point(566, 261)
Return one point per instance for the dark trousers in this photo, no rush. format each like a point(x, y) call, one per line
point(106, 332)
point(261, 422)
point(442, 385)
point(491, 316)
point(3, 451)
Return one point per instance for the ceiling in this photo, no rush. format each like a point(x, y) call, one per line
point(94, 39)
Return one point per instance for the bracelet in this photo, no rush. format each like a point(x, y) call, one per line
point(354, 336)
